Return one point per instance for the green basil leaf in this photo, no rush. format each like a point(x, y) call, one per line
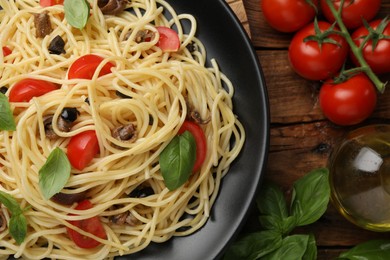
point(18, 227)
point(292, 248)
point(310, 197)
point(254, 246)
point(311, 249)
point(10, 202)
point(371, 250)
point(177, 160)
point(284, 226)
point(271, 201)
point(7, 121)
point(54, 174)
point(77, 12)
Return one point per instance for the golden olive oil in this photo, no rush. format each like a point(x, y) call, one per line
point(360, 177)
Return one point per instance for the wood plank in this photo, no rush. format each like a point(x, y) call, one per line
point(239, 9)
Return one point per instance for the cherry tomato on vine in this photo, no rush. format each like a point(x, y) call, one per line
point(288, 15)
point(45, 3)
point(91, 225)
point(169, 40)
point(200, 139)
point(25, 89)
point(85, 66)
point(82, 148)
point(6, 51)
point(353, 11)
point(313, 62)
point(378, 57)
point(349, 102)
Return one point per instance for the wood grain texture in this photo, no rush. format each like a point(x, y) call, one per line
point(301, 139)
point(239, 9)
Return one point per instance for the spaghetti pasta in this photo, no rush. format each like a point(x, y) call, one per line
point(158, 90)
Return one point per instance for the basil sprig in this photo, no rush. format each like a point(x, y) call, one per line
point(54, 174)
point(17, 223)
point(177, 160)
point(373, 250)
point(309, 201)
point(7, 121)
point(77, 12)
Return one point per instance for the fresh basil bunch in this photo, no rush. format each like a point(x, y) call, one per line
point(309, 202)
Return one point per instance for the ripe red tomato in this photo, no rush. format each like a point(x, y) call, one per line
point(353, 11)
point(82, 148)
point(287, 15)
point(25, 89)
point(350, 102)
point(315, 63)
point(169, 40)
point(85, 66)
point(45, 3)
point(91, 225)
point(6, 51)
point(379, 58)
point(200, 139)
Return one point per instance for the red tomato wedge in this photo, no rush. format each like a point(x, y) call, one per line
point(26, 89)
point(200, 139)
point(169, 39)
point(85, 66)
point(46, 3)
point(6, 51)
point(82, 148)
point(91, 225)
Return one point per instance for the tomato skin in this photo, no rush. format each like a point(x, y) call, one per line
point(353, 11)
point(25, 89)
point(169, 39)
point(46, 3)
point(200, 139)
point(287, 15)
point(82, 148)
point(85, 66)
point(313, 63)
point(350, 102)
point(379, 58)
point(6, 51)
point(91, 225)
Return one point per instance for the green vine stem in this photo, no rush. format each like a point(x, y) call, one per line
point(357, 51)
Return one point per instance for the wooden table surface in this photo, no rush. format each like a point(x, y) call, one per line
point(301, 138)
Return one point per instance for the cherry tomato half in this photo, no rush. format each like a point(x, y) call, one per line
point(350, 102)
point(169, 40)
point(378, 58)
point(6, 51)
point(200, 139)
point(315, 63)
point(25, 89)
point(287, 15)
point(85, 66)
point(353, 11)
point(45, 3)
point(91, 225)
point(82, 148)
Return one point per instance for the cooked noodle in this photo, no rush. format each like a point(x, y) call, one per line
point(163, 87)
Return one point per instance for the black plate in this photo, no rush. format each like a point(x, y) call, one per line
point(227, 42)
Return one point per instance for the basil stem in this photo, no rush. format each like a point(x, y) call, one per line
point(7, 121)
point(77, 12)
point(54, 174)
point(177, 160)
